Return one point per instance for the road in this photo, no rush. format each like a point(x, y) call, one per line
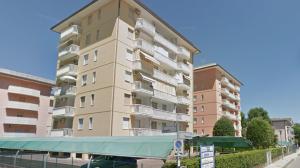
point(295, 163)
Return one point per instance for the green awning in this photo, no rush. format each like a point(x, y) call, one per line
point(222, 141)
point(139, 146)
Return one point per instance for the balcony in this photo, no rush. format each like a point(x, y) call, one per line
point(184, 67)
point(144, 25)
point(184, 53)
point(69, 32)
point(229, 105)
point(67, 111)
point(23, 91)
point(61, 132)
point(230, 115)
point(70, 70)
point(69, 52)
point(65, 91)
point(20, 120)
point(237, 88)
point(225, 91)
point(140, 65)
point(183, 83)
point(183, 100)
point(23, 106)
point(183, 117)
point(164, 77)
point(164, 96)
point(163, 57)
point(144, 45)
point(18, 134)
point(144, 132)
point(142, 88)
point(226, 82)
point(166, 43)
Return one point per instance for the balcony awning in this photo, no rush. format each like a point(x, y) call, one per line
point(156, 147)
point(150, 58)
point(146, 78)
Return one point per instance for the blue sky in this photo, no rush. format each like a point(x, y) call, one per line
point(256, 40)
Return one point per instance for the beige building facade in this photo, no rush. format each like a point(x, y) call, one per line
point(216, 94)
point(122, 71)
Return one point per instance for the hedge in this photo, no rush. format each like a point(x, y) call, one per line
point(248, 159)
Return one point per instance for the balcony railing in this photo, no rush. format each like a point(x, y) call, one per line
point(69, 52)
point(144, 45)
point(163, 57)
point(23, 91)
point(230, 115)
point(67, 111)
point(184, 67)
point(183, 100)
point(225, 91)
point(237, 88)
point(69, 32)
point(228, 83)
point(229, 105)
point(145, 26)
point(142, 87)
point(144, 132)
point(61, 132)
point(164, 77)
point(165, 96)
point(20, 120)
point(183, 52)
point(69, 69)
point(18, 134)
point(166, 43)
point(23, 105)
point(65, 91)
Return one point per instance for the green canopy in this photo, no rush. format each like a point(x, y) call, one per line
point(139, 146)
point(222, 141)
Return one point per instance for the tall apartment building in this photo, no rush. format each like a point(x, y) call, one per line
point(216, 94)
point(283, 128)
point(122, 70)
point(25, 104)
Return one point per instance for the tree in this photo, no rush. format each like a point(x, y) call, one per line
point(224, 127)
point(244, 124)
point(296, 128)
point(258, 112)
point(260, 132)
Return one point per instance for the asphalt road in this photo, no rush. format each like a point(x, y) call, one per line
point(295, 163)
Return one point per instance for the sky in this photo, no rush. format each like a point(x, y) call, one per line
point(258, 41)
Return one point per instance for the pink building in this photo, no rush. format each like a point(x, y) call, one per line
point(25, 104)
point(216, 94)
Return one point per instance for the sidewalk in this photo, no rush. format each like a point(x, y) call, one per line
point(285, 161)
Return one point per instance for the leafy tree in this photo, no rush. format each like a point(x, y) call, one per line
point(258, 112)
point(244, 124)
point(224, 127)
point(260, 132)
point(296, 128)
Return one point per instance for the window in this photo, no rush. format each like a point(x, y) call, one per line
point(90, 123)
point(88, 39)
point(95, 55)
point(202, 108)
point(125, 124)
point(80, 123)
point(195, 131)
point(83, 80)
point(51, 103)
point(129, 55)
point(82, 101)
point(127, 98)
point(128, 77)
point(94, 77)
point(195, 98)
point(154, 105)
point(153, 125)
point(195, 121)
point(202, 121)
point(130, 34)
point(164, 107)
point(99, 14)
point(90, 19)
point(202, 131)
point(195, 109)
point(98, 35)
point(92, 99)
point(202, 97)
point(163, 125)
point(85, 59)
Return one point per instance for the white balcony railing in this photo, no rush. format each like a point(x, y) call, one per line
point(184, 117)
point(142, 87)
point(163, 57)
point(184, 67)
point(183, 52)
point(23, 91)
point(23, 105)
point(164, 77)
point(69, 32)
point(237, 88)
point(183, 100)
point(20, 120)
point(142, 24)
point(144, 132)
point(228, 83)
point(67, 111)
point(69, 69)
point(225, 91)
point(166, 43)
point(18, 134)
point(165, 96)
point(61, 132)
point(69, 52)
point(182, 83)
point(230, 115)
point(65, 91)
point(144, 45)
point(229, 105)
